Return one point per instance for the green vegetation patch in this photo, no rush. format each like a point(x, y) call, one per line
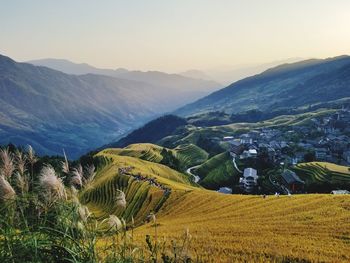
point(218, 171)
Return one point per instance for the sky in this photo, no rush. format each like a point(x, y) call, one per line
point(171, 35)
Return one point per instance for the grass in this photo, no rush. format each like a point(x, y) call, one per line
point(44, 218)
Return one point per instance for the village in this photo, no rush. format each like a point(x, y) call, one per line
point(324, 139)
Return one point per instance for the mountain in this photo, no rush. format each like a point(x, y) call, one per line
point(286, 86)
point(181, 89)
point(228, 74)
point(196, 74)
point(53, 111)
point(153, 131)
point(69, 67)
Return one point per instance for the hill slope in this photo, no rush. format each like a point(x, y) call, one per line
point(218, 171)
point(180, 89)
point(324, 177)
point(147, 186)
point(52, 110)
point(152, 131)
point(286, 86)
point(234, 228)
point(179, 158)
point(224, 228)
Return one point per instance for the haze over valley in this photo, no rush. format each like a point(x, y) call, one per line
point(174, 131)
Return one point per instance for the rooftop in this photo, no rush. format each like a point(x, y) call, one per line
point(291, 177)
point(250, 172)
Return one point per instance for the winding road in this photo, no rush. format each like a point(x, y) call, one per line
point(235, 165)
point(196, 178)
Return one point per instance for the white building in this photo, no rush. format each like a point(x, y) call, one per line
point(249, 180)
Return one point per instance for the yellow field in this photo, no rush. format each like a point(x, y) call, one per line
point(335, 167)
point(229, 228)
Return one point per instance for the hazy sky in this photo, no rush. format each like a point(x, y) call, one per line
point(173, 35)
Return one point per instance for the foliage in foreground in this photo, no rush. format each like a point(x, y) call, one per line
point(42, 219)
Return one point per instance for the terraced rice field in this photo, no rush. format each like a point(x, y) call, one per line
point(187, 154)
point(141, 196)
point(226, 228)
point(323, 172)
point(144, 151)
point(232, 228)
point(190, 155)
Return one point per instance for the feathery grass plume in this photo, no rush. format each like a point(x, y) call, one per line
point(21, 161)
point(32, 159)
point(132, 221)
point(115, 223)
point(6, 191)
point(90, 173)
point(153, 218)
point(120, 199)
point(22, 182)
point(78, 174)
point(123, 224)
point(188, 235)
point(51, 184)
point(65, 164)
point(74, 195)
point(153, 248)
point(7, 163)
point(84, 213)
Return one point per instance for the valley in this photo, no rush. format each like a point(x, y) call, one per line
point(245, 185)
point(174, 131)
point(52, 110)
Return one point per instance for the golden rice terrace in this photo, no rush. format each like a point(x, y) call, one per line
point(228, 228)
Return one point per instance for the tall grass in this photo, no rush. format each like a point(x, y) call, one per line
point(42, 220)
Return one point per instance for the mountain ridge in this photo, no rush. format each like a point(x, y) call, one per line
point(52, 110)
point(261, 90)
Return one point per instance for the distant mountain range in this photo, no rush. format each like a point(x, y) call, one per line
point(286, 86)
point(181, 89)
point(54, 111)
point(229, 74)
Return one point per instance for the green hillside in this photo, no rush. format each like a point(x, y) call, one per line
point(217, 171)
point(190, 155)
point(209, 138)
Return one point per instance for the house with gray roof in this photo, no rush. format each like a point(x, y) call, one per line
point(292, 181)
